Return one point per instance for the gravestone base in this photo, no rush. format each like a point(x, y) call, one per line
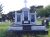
point(14, 32)
point(24, 33)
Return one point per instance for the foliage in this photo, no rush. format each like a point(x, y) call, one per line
point(48, 9)
point(32, 9)
point(41, 11)
point(1, 7)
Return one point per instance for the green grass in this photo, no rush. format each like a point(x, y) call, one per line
point(4, 25)
point(3, 28)
point(49, 30)
point(39, 22)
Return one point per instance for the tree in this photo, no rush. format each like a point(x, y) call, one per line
point(1, 7)
point(44, 11)
point(48, 10)
point(32, 9)
point(38, 9)
point(41, 12)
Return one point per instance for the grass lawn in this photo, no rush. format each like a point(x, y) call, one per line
point(49, 33)
point(3, 27)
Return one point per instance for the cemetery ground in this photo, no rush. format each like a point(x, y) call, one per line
point(4, 26)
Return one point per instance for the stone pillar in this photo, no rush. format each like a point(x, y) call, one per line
point(15, 17)
point(35, 17)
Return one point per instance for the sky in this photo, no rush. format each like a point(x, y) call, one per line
point(14, 5)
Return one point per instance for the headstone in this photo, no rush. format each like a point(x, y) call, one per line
point(26, 25)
